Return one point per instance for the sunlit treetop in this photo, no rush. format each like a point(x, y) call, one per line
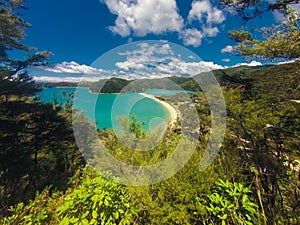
point(276, 42)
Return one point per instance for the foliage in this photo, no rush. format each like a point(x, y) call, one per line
point(230, 203)
point(96, 201)
point(130, 127)
point(54, 101)
point(257, 162)
point(117, 85)
point(90, 199)
point(136, 128)
point(39, 211)
point(265, 141)
point(249, 9)
point(14, 80)
point(37, 149)
point(278, 41)
point(68, 100)
point(113, 85)
point(275, 42)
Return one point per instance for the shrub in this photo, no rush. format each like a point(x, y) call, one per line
point(230, 203)
point(96, 201)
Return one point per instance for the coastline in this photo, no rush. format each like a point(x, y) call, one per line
point(172, 111)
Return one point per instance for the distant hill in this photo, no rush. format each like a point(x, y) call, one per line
point(279, 80)
point(113, 85)
point(117, 85)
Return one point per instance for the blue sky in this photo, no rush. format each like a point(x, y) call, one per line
point(78, 32)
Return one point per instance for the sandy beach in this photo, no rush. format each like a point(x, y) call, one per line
point(172, 111)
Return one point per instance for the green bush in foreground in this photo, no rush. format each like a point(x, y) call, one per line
point(230, 203)
point(92, 200)
point(36, 212)
point(96, 201)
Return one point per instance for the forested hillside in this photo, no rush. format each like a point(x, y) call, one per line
point(255, 178)
point(231, 77)
point(258, 162)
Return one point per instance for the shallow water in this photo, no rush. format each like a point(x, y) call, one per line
point(106, 109)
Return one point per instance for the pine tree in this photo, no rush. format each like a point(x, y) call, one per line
point(14, 80)
point(280, 41)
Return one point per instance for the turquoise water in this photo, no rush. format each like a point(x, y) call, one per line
point(106, 109)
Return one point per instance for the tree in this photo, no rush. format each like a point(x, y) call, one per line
point(135, 127)
point(278, 41)
point(249, 9)
point(14, 80)
point(37, 149)
point(261, 134)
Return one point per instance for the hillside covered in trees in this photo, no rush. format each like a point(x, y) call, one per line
point(46, 179)
point(257, 162)
point(231, 77)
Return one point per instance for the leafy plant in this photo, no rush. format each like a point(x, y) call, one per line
point(96, 201)
point(230, 203)
point(276, 41)
point(135, 127)
point(34, 213)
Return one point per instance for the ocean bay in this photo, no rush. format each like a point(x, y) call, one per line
point(107, 109)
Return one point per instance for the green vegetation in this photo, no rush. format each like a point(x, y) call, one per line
point(231, 77)
point(113, 85)
point(44, 178)
point(253, 180)
point(278, 41)
point(118, 85)
point(37, 149)
point(96, 201)
point(14, 80)
point(229, 203)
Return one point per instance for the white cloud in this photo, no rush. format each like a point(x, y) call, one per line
point(191, 68)
point(211, 31)
point(54, 79)
point(144, 17)
point(192, 37)
point(129, 65)
point(228, 48)
point(67, 72)
point(73, 67)
point(290, 61)
point(144, 61)
point(145, 54)
point(204, 10)
point(253, 63)
point(208, 17)
point(165, 50)
point(198, 10)
point(226, 60)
